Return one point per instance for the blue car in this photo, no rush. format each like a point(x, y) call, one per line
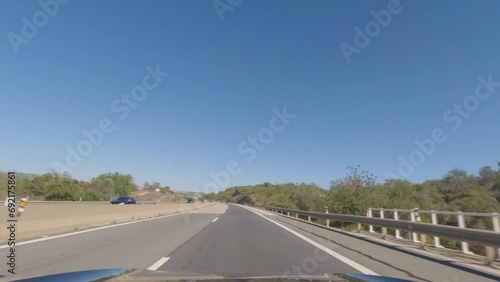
point(123, 200)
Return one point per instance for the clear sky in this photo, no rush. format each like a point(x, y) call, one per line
point(226, 77)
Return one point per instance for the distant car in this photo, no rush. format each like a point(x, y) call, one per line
point(190, 201)
point(122, 200)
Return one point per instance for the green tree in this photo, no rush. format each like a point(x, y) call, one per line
point(103, 187)
point(123, 184)
point(486, 175)
point(355, 193)
point(65, 190)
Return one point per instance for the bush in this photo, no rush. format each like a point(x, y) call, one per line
point(92, 196)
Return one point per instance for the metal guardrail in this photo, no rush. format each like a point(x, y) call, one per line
point(489, 239)
point(415, 216)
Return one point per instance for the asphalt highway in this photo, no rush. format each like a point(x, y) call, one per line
point(229, 241)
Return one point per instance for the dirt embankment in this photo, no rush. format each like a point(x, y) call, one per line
point(153, 197)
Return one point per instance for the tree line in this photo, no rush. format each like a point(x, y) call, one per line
point(359, 190)
point(53, 186)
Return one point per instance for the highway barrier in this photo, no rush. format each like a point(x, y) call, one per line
point(432, 216)
point(48, 219)
point(489, 239)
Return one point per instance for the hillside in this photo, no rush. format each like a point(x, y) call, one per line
point(146, 196)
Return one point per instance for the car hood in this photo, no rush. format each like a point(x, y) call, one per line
point(87, 275)
point(123, 274)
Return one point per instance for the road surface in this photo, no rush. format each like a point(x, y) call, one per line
point(230, 241)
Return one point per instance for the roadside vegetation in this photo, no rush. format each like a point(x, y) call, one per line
point(359, 190)
point(61, 187)
point(353, 194)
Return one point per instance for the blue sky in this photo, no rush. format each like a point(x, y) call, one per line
point(226, 77)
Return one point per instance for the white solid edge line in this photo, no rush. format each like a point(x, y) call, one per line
point(88, 230)
point(338, 256)
point(157, 264)
point(215, 220)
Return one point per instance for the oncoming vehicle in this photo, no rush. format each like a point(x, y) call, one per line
point(123, 200)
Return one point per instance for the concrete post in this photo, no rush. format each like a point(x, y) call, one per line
point(370, 214)
point(327, 220)
point(384, 229)
point(396, 217)
point(461, 224)
point(422, 236)
point(434, 220)
point(413, 219)
point(496, 227)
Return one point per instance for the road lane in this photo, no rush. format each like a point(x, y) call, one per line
point(136, 245)
point(242, 244)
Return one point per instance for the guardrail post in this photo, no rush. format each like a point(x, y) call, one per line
point(396, 217)
point(423, 238)
point(287, 214)
point(384, 229)
point(296, 215)
point(490, 255)
point(327, 220)
point(412, 218)
point(434, 220)
point(370, 214)
point(308, 218)
point(461, 224)
point(496, 227)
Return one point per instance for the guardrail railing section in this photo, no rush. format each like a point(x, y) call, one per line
point(473, 233)
point(459, 219)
